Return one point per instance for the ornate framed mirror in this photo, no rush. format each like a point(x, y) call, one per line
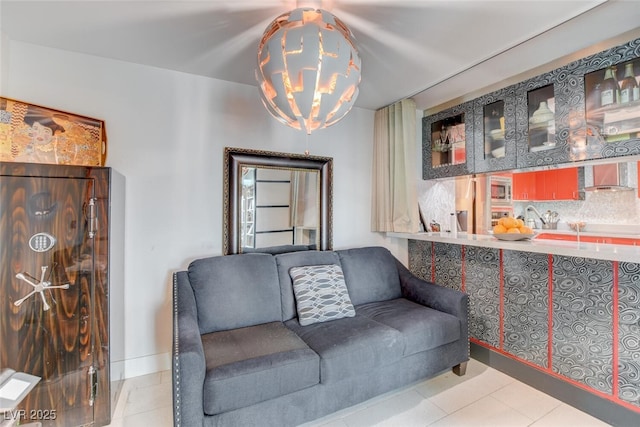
point(276, 200)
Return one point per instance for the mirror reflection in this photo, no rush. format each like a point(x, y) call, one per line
point(279, 207)
point(276, 200)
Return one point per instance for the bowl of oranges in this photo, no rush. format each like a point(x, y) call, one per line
point(510, 228)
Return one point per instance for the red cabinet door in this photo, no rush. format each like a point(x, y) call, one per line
point(564, 184)
point(524, 186)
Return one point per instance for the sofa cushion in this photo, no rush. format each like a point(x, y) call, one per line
point(249, 365)
point(422, 328)
point(350, 346)
point(235, 291)
point(321, 294)
point(284, 263)
point(371, 274)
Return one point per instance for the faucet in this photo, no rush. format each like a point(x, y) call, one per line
point(531, 208)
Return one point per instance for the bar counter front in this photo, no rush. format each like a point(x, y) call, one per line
point(562, 316)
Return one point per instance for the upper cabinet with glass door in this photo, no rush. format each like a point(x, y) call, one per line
point(494, 129)
point(540, 122)
point(612, 110)
point(447, 142)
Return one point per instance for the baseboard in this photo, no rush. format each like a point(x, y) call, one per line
point(599, 407)
point(147, 365)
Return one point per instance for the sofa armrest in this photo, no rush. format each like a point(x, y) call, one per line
point(188, 362)
point(431, 295)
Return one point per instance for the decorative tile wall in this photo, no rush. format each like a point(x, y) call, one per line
point(629, 332)
point(420, 259)
point(513, 315)
point(482, 283)
point(526, 307)
point(582, 321)
point(448, 265)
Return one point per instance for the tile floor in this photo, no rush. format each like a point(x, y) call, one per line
point(483, 397)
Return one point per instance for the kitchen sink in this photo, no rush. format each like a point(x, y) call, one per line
point(590, 239)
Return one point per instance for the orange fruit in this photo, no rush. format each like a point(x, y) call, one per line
point(525, 230)
point(513, 230)
point(510, 222)
point(520, 223)
point(499, 229)
point(502, 220)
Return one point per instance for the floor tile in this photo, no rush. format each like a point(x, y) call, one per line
point(145, 399)
point(471, 390)
point(486, 411)
point(568, 416)
point(406, 409)
point(526, 400)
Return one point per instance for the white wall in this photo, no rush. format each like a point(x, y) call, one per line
point(166, 132)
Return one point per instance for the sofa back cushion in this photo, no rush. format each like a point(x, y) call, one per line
point(235, 291)
point(285, 262)
point(370, 274)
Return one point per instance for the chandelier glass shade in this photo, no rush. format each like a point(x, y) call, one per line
point(308, 69)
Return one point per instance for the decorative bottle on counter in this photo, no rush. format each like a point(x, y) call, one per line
point(609, 88)
point(628, 86)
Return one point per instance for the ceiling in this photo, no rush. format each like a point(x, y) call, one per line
point(432, 50)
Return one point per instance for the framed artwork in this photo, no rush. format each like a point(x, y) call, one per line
point(34, 134)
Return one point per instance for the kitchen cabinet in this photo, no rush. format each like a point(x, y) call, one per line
point(495, 131)
point(556, 184)
point(447, 142)
point(530, 306)
point(525, 185)
point(553, 118)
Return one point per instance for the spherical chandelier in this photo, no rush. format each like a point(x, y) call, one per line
point(308, 69)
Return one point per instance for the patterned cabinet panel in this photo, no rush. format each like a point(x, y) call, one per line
point(526, 306)
point(420, 254)
point(448, 263)
point(582, 321)
point(495, 149)
point(482, 278)
point(629, 332)
point(578, 98)
point(428, 152)
point(551, 154)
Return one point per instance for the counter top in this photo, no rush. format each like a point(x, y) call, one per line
point(611, 252)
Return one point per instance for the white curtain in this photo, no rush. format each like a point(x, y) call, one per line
point(394, 199)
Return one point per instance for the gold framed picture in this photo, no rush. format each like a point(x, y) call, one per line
point(34, 134)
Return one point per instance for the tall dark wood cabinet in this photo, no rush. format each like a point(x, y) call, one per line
point(54, 295)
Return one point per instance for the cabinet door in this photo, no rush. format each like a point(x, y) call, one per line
point(524, 186)
point(447, 143)
point(565, 183)
point(559, 184)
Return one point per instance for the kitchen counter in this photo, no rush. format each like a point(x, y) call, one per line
point(560, 314)
point(611, 252)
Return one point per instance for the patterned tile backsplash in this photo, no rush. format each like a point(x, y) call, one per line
point(604, 211)
point(437, 199)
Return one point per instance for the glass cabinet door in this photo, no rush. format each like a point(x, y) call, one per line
point(447, 142)
point(542, 123)
point(47, 272)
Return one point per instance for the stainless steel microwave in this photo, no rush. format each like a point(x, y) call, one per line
point(500, 190)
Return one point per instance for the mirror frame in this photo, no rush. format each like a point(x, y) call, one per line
point(237, 158)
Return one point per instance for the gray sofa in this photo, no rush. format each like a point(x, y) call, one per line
point(242, 358)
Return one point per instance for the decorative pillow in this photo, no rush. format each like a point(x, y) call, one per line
point(321, 293)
